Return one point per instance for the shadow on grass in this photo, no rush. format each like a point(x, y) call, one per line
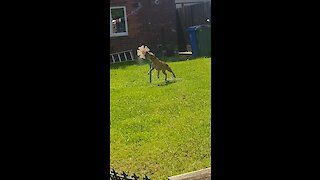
point(166, 83)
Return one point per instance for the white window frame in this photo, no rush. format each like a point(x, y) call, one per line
point(126, 22)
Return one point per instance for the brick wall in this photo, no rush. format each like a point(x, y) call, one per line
point(151, 25)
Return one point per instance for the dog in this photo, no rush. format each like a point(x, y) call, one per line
point(157, 64)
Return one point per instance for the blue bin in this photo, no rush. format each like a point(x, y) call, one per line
point(193, 40)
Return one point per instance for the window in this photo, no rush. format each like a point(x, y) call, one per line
point(118, 21)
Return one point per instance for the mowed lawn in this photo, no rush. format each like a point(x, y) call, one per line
point(160, 129)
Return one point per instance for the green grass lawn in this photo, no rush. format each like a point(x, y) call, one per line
point(160, 129)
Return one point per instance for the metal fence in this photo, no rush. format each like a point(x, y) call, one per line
point(123, 176)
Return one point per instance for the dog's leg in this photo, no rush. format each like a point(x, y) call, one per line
point(172, 73)
point(150, 70)
point(170, 70)
point(158, 73)
point(164, 72)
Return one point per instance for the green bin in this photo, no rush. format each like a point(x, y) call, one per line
point(203, 34)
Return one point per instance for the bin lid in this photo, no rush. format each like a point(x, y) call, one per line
point(194, 28)
point(204, 26)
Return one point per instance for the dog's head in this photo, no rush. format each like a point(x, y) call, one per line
point(142, 51)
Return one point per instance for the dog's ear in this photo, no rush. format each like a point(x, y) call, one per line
point(141, 47)
point(146, 49)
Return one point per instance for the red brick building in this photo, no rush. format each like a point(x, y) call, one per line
point(147, 22)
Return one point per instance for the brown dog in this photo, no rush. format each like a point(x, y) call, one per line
point(156, 63)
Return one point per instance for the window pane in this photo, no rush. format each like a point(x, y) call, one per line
point(118, 20)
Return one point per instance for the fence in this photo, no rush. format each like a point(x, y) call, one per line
point(123, 176)
point(191, 15)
